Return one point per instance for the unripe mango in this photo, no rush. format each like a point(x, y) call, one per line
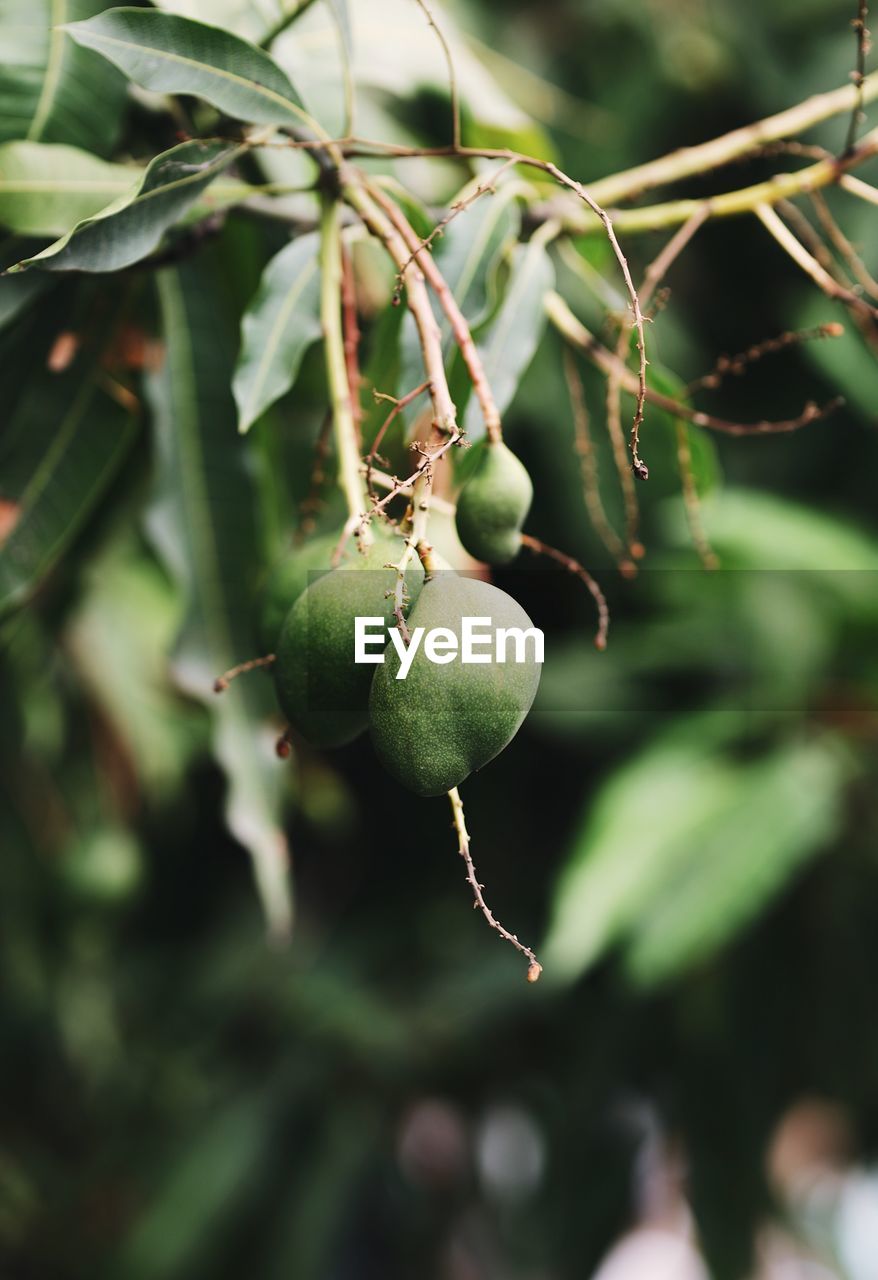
point(321, 690)
point(432, 729)
point(493, 505)
point(287, 580)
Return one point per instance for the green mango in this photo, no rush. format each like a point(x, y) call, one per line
point(287, 580)
point(433, 728)
point(493, 505)
point(321, 690)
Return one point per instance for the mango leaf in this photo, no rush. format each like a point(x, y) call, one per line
point(467, 255)
point(170, 54)
point(755, 530)
point(203, 524)
point(278, 327)
point(132, 227)
point(51, 90)
point(47, 188)
point(84, 438)
point(633, 837)
point(119, 638)
point(684, 845)
point(784, 810)
point(515, 333)
point(401, 63)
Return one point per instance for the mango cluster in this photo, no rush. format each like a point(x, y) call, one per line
point(442, 722)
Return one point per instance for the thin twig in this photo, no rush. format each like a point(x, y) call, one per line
point(489, 185)
point(858, 76)
point(351, 330)
point(310, 504)
point(737, 365)
point(573, 566)
point(571, 328)
point(691, 498)
point(843, 246)
point(398, 406)
point(534, 968)
point(221, 683)
point(800, 255)
point(589, 468)
point(452, 75)
point(459, 326)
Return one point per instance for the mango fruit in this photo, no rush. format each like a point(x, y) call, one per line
point(493, 505)
point(433, 728)
point(322, 691)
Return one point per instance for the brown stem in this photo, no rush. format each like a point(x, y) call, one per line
point(534, 968)
point(576, 333)
point(351, 330)
point(735, 366)
point(398, 406)
point(221, 683)
point(448, 303)
point(574, 567)
point(691, 500)
point(589, 468)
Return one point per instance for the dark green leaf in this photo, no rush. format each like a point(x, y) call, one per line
point(133, 227)
point(515, 333)
point(86, 437)
point(169, 54)
point(203, 524)
point(279, 325)
point(45, 189)
point(51, 90)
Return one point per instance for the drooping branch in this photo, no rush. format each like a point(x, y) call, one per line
point(572, 329)
point(534, 968)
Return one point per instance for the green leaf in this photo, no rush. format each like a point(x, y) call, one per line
point(47, 188)
point(169, 54)
point(516, 331)
point(278, 327)
point(783, 811)
point(119, 638)
point(395, 53)
point(203, 524)
point(51, 90)
point(684, 845)
point(632, 838)
point(132, 227)
point(86, 436)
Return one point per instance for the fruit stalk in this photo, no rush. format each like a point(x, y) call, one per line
point(344, 425)
point(453, 313)
point(534, 968)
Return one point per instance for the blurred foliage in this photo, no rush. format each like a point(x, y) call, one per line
point(689, 821)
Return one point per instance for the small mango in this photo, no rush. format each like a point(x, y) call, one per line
point(432, 729)
point(493, 505)
point(322, 691)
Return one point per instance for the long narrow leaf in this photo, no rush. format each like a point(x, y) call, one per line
point(279, 325)
point(132, 227)
point(169, 54)
point(203, 524)
point(45, 189)
point(88, 437)
point(51, 89)
point(515, 333)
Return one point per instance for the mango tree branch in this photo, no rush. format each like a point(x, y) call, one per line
point(344, 425)
point(572, 329)
point(534, 969)
point(688, 161)
point(459, 327)
point(780, 232)
point(728, 204)
point(444, 412)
